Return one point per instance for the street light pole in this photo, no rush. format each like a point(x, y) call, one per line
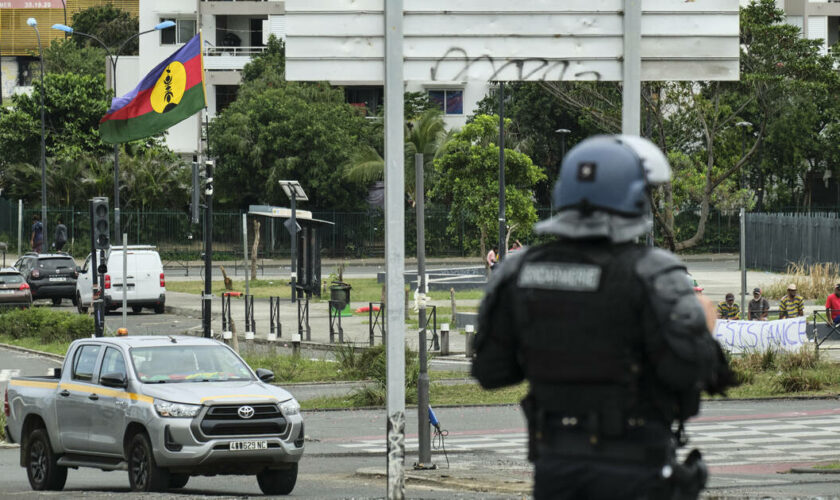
point(563, 133)
point(34, 24)
point(113, 58)
point(743, 126)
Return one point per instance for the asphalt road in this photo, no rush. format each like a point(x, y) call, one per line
point(319, 477)
point(144, 323)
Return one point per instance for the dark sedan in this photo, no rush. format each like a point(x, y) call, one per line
point(50, 276)
point(14, 291)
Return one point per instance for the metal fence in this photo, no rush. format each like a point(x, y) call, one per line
point(353, 234)
point(775, 241)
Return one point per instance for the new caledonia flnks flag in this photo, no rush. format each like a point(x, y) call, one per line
point(170, 93)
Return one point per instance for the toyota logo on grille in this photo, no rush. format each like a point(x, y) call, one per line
point(245, 412)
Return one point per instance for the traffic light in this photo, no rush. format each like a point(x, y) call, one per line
point(196, 191)
point(208, 177)
point(99, 223)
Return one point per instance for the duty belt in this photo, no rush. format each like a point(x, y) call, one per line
point(581, 446)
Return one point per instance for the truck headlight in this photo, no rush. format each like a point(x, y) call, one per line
point(290, 407)
point(170, 409)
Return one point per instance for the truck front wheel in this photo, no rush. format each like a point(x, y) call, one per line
point(143, 472)
point(278, 481)
point(41, 463)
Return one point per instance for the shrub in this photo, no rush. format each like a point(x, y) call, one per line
point(755, 361)
point(812, 282)
point(805, 358)
point(285, 368)
point(798, 380)
point(46, 325)
point(372, 364)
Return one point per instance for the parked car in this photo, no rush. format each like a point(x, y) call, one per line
point(164, 408)
point(49, 275)
point(145, 282)
point(14, 291)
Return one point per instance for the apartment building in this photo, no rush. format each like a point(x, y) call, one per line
point(19, 44)
point(818, 19)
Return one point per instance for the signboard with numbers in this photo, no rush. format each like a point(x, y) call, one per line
point(31, 4)
point(501, 40)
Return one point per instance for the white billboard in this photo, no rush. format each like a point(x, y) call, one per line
point(504, 40)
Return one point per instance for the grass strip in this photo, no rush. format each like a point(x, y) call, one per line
point(439, 395)
point(363, 289)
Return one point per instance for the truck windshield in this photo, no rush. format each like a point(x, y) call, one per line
point(182, 363)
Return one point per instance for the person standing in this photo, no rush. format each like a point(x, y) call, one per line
point(832, 306)
point(36, 240)
point(758, 308)
point(60, 235)
point(728, 309)
point(492, 257)
point(791, 305)
point(603, 399)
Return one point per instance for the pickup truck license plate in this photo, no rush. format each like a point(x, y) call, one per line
point(248, 445)
point(58, 278)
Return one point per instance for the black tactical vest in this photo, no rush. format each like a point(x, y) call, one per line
point(580, 307)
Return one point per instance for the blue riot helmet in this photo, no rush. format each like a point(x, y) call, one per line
point(610, 174)
point(602, 189)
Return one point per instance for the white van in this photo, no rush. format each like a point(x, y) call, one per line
point(146, 286)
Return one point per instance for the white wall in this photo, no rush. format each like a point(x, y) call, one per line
point(9, 73)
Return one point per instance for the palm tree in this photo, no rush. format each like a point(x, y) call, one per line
point(426, 134)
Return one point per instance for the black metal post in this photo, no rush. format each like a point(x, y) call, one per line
point(208, 249)
point(293, 232)
point(96, 292)
point(44, 233)
point(502, 223)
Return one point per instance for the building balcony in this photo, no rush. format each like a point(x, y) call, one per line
point(242, 7)
point(229, 58)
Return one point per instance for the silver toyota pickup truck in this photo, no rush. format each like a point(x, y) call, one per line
point(162, 408)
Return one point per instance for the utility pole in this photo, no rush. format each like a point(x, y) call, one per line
point(424, 451)
point(207, 297)
point(395, 249)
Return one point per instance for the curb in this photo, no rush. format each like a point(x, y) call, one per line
point(514, 488)
point(188, 312)
point(56, 357)
point(813, 470)
point(8, 446)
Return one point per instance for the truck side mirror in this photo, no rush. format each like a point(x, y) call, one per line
point(80, 270)
point(113, 380)
point(265, 375)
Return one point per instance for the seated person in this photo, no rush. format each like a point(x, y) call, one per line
point(728, 309)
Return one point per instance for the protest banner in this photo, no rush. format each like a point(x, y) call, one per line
point(758, 336)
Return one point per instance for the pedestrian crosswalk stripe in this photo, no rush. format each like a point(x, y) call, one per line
point(7, 374)
point(735, 442)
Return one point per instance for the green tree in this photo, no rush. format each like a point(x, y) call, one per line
point(110, 24)
point(535, 116)
point(73, 105)
point(695, 122)
point(278, 130)
point(468, 182)
point(424, 134)
point(65, 56)
point(271, 63)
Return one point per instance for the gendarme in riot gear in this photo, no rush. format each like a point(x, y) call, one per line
point(610, 336)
